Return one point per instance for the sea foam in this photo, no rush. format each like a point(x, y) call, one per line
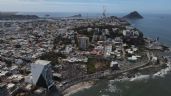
point(140, 77)
point(160, 73)
point(163, 72)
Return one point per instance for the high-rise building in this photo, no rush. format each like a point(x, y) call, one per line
point(3, 90)
point(42, 74)
point(83, 43)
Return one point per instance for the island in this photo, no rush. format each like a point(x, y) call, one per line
point(133, 15)
point(78, 16)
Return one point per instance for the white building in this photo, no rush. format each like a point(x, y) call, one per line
point(41, 74)
point(114, 65)
point(108, 50)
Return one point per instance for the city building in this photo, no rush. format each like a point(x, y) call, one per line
point(108, 50)
point(83, 42)
point(114, 65)
point(41, 74)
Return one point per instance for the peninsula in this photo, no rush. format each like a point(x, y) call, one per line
point(49, 57)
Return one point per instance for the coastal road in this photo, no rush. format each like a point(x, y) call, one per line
point(101, 74)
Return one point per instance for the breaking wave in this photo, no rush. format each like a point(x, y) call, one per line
point(160, 73)
point(163, 72)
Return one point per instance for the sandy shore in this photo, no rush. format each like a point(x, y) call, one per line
point(78, 87)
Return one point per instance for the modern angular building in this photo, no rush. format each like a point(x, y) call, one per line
point(42, 74)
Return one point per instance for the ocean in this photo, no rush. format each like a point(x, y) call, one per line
point(153, 26)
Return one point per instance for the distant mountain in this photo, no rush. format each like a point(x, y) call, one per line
point(133, 15)
point(13, 16)
point(7, 13)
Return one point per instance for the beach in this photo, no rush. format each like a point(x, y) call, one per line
point(78, 87)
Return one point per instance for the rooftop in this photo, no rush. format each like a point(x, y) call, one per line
point(2, 85)
point(42, 62)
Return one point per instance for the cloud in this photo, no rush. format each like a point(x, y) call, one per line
point(46, 6)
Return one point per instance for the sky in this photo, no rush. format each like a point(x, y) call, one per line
point(112, 6)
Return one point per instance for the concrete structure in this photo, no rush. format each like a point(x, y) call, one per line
point(108, 50)
point(83, 42)
point(114, 65)
point(41, 74)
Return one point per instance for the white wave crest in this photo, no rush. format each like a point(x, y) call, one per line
point(163, 72)
point(140, 77)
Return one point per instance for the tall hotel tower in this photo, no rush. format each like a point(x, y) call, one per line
point(42, 74)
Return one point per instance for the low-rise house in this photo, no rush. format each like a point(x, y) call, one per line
point(16, 78)
point(11, 87)
point(114, 65)
point(107, 50)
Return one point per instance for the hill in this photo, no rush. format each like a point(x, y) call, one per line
point(17, 17)
point(133, 15)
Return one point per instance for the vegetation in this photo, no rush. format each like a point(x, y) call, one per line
point(134, 41)
point(95, 64)
point(59, 40)
point(9, 63)
point(52, 56)
point(86, 33)
point(91, 65)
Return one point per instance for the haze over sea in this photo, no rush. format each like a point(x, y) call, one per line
point(153, 25)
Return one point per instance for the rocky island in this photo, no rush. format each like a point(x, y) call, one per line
point(133, 15)
point(77, 16)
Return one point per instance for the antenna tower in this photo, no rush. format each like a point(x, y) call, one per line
point(104, 12)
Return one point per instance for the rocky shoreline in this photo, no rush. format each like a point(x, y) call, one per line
point(146, 72)
point(152, 74)
point(78, 87)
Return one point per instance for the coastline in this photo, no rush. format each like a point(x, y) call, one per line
point(86, 85)
point(78, 87)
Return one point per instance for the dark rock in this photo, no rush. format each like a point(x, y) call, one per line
point(133, 15)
